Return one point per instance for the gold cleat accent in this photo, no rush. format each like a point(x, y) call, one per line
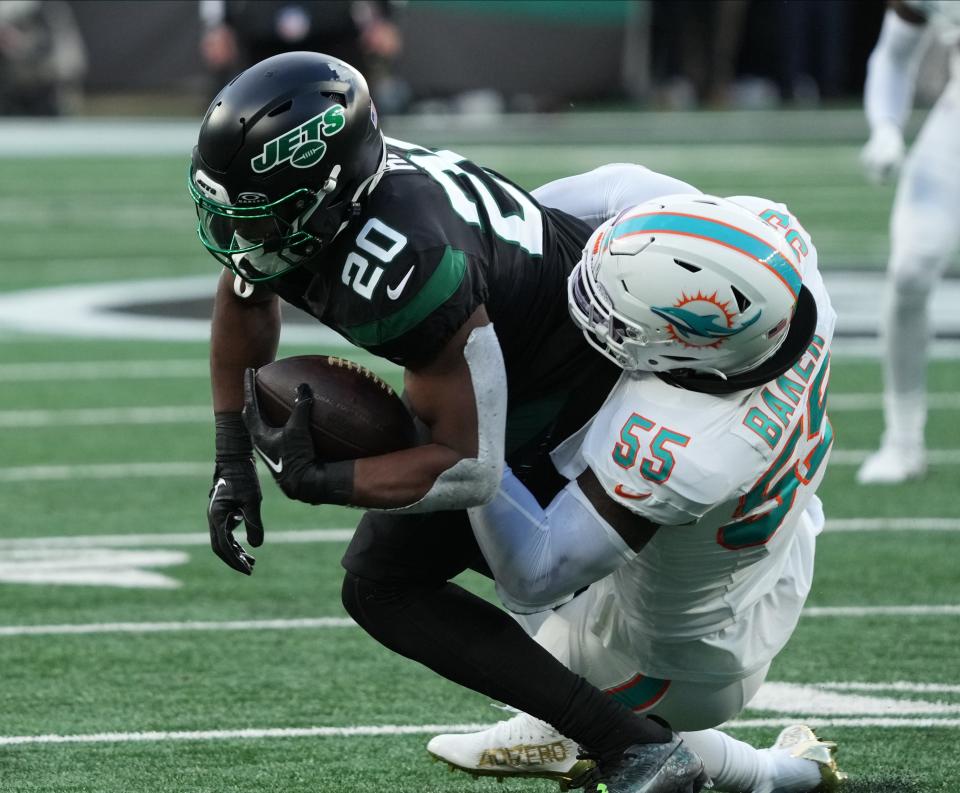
point(802, 742)
point(520, 747)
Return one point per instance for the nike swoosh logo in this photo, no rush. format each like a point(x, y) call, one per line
point(276, 467)
point(220, 483)
point(621, 491)
point(394, 292)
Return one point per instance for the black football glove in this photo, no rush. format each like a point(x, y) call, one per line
point(289, 454)
point(235, 495)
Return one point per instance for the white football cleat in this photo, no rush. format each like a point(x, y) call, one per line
point(519, 747)
point(801, 742)
point(893, 464)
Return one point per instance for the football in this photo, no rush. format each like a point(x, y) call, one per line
point(355, 413)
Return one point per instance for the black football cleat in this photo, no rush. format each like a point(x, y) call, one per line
point(650, 768)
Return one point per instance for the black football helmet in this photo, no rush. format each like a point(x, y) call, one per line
point(286, 151)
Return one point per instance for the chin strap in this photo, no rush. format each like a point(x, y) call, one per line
point(788, 352)
point(365, 187)
point(329, 223)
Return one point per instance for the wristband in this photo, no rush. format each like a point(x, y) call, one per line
point(232, 439)
point(338, 482)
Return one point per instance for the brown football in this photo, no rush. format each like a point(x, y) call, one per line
point(355, 413)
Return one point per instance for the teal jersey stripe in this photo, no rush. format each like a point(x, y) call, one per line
point(434, 293)
point(713, 230)
point(639, 693)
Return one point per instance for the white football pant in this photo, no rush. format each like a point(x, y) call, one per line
point(572, 633)
point(925, 233)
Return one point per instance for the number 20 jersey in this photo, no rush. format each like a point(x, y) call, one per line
point(438, 238)
point(731, 480)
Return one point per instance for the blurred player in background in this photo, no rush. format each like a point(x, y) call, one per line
point(924, 230)
point(42, 58)
point(692, 497)
point(240, 33)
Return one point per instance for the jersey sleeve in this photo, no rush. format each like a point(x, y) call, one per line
point(596, 196)
point(426, 297)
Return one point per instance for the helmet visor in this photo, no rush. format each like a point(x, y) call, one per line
point(258, 241)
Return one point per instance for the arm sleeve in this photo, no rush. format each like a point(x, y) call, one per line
point(891, 72)
point(596, 196)
point(474, 480)
point(541, 557)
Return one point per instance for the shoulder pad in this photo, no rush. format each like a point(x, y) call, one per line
point(669, 465)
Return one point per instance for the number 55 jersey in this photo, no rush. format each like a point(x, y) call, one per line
point(731, 481)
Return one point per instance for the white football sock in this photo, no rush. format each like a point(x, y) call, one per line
point(906, 338)
point(790, 774)
point(738, 767)
point(733, 765)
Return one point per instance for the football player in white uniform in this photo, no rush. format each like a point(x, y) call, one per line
point(691, 513)
point(924, 233)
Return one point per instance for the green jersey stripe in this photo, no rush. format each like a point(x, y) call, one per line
point(435, 292)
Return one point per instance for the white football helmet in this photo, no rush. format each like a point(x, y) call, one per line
point(686, 282)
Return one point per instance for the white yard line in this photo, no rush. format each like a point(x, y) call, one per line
point(198, 414)
point(137, 470)
point(304, 536)
point(143, 368)
point(322, 623)
point(199, 367)
point(883, 722)
point(416, 729)
point(846, 402)
point(857, 456)
point(233, 735)
point(308, 536)
point(96, 370)
point(168, 414)
point(892, 524)
point(900, 685)
point(176, 627)
point(34, 473)
point(883, 611)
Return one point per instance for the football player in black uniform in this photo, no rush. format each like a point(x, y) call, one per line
point(457, 275)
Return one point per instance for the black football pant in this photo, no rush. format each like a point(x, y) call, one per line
point(398, 588)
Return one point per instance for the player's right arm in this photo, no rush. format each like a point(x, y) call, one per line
point(244, 333)
point(621, 495)
point(888, 91)
point(540, 557)
point(596, 196)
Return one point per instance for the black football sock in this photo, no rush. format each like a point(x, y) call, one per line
point(471, 642)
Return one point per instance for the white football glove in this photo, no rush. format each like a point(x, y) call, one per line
point(883, 154)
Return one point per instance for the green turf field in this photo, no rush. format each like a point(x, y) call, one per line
point(141, 672)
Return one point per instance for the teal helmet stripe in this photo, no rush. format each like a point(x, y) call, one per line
point(714, 231)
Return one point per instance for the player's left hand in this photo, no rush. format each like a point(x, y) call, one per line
point(287, 450)
point(882, 156)
point(235, 499)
